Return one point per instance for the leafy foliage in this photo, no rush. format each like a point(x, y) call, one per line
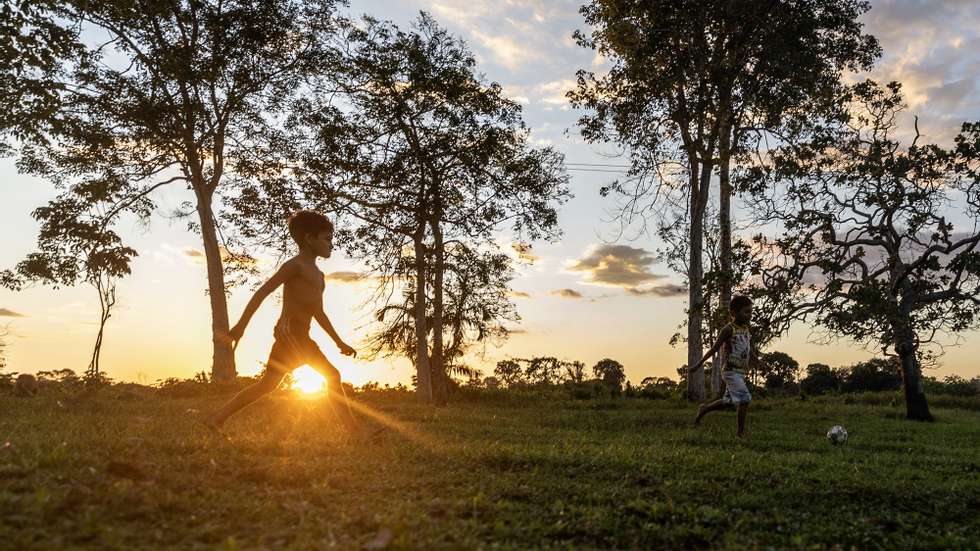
point(693, 85)
point(868, 251)
point(611, 373)
point(184, 93)
point(427, 164)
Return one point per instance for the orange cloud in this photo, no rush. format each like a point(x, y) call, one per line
point(617, 265)
point(566, 293)
point(345, 277)
point(669, 290)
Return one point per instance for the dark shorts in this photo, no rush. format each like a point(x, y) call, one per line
point(293, 349)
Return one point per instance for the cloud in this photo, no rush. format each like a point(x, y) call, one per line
point(549, 94)
point(8, 313)
point(663, 291)
point(933, 49)
point(503, 38)
point(197, 256)
point(508, 51)
point(516, 93)
point(566, 293)
point(617, 265)
point(553, 93)
point(345, 277)
point(625, 267)
point(518, 294)
point(515, 34)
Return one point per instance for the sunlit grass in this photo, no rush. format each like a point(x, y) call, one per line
point(108, 473)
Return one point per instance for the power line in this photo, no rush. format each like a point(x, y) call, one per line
point(595, 170)
point(597, 164)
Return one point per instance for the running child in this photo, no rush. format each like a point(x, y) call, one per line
point(735, 344)
point(302, 302)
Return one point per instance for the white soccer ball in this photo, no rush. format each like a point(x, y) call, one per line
point(837, 435)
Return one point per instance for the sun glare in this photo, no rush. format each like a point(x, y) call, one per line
point(308, 381)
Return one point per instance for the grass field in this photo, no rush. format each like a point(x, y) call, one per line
point(114, 474)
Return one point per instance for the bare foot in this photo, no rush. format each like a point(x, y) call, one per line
point(697, 419)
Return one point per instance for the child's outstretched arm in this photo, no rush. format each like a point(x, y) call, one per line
point(286, 271)
point(724, 336)
point(324, 321)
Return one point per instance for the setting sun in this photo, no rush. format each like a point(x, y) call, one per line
point(308, 381)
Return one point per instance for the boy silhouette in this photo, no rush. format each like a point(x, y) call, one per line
point(735, 343)
point(302, 301)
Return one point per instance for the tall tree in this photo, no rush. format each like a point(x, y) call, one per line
point(611, 373)
point(870, 250)
point(171, 94)
point(427, 161)
point(510, 373)
point(778, 370)
point(692, 83)
point(77, 243)
point(474, 290)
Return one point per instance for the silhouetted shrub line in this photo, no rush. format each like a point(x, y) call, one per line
point(874, 382)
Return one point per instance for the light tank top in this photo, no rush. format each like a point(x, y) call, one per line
point(735, 353)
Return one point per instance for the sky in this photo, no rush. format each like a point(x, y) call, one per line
point(578, 300)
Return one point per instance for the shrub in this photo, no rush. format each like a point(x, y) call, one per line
point(820, 379)
point(874, 375)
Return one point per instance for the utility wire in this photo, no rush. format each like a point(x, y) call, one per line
point(597, 164)
point(596, 170)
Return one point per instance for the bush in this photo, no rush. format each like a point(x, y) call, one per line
point(659, 388)
point(874, 375)
point(200, 385)
point(588, 390)
point(820, 379)
point(952, 385)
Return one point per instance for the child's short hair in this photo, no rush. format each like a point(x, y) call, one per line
point(307, 222)
point(739, 302)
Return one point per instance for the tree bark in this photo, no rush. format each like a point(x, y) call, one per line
point(695, 275)
point(916, 406)
point(107, 299)
point(724, 240)
point(440, 386)
point(223, 359)
point(423, 373)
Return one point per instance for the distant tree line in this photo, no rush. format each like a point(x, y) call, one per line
point(607, 376)
point(779, 375)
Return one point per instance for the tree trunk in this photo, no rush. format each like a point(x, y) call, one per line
point(423, 373)
point(916, 407)
point(695, 275)
point(223, 359)
point(107, 299)
point(440, 384)
point(724, 240)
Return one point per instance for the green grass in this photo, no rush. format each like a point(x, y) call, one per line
point(126, 474)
